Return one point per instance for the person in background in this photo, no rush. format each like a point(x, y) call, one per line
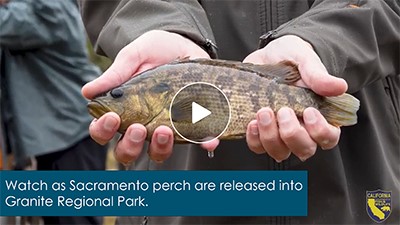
point(339, 46)
point(44, 64)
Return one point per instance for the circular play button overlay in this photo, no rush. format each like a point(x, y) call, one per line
point(200, 112)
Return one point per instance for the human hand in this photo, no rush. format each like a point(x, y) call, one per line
point(282, 134)
point(152, 49)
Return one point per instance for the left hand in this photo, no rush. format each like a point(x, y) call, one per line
point(282, 134)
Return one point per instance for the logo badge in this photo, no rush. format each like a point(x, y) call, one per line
point(379, 205)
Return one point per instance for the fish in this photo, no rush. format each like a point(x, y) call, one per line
point(146, 98)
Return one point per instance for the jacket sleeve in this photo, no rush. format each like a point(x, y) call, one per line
point(95, 15)
point(356, 40)
point(131, 19)
point(30, 24)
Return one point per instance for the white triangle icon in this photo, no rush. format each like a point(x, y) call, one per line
point(199, 112)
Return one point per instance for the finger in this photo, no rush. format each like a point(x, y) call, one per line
point(326, 135)
point(161, 144)
point(253, 139)
point(131, 144)
point(210, 145)
point(294, 135)
point(102, 130)
point(125, 65)
point(269, 135)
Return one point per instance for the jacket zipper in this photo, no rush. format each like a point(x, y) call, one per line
point(392, 98)
point(207, 44)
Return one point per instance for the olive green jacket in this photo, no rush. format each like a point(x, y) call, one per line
point(356, 40)
point(44, 64)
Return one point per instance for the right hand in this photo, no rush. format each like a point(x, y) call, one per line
point(152, 49)
point(283, 134)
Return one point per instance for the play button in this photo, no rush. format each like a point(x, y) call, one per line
point(199, 112)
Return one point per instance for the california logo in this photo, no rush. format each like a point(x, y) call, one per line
point(379, 205)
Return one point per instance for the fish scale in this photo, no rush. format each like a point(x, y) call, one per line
point(248, 87)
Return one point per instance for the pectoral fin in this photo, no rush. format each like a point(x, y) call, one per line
point(181, 111)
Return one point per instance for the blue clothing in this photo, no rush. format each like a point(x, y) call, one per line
point(44, 64)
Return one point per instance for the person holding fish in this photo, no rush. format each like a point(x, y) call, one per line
point(336, 46)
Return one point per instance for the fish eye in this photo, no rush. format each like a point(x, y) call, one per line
point(116, 93)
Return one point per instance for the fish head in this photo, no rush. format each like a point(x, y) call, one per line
point(133, 102)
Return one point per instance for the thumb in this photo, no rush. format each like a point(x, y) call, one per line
point(256, 57)
point(313, 73)
point(124, 67)
point(316, 77)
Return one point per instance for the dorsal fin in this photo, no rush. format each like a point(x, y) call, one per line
point(181, 60)
point(218, 62)
point(285, 71)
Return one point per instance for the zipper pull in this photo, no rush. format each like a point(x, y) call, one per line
point(211, 48)
point(266, 38)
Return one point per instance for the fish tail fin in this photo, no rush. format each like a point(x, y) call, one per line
point(340, 110)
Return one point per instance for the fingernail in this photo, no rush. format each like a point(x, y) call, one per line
point(137, 135)
point(127, 165)
point(310, 117)
point(284, 115)
point(110, 123)
point(162, 139)
point(158, 161)
point(254, 130)
point(324, 143)
point(303, 159)
point(264, 118)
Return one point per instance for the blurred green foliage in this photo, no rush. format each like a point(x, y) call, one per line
point(102, 62)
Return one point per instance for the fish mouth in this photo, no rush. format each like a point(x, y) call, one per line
point(97, 109)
